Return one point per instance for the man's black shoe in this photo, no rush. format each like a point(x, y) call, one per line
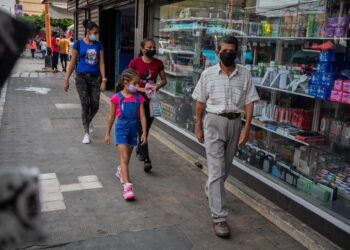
point(222, 229)
point(147, 166)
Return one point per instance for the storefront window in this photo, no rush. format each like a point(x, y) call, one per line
point(297, 52)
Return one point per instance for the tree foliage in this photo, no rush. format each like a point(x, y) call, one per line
point(38, 22)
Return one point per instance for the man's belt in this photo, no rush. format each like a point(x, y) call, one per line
point(230, 116)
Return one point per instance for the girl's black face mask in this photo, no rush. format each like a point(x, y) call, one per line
point(228, 58)
point(150, 53)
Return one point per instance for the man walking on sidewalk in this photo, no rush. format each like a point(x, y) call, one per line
point(64, 45)
point(223, 91)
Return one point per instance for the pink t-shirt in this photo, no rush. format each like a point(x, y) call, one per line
point(115, 100)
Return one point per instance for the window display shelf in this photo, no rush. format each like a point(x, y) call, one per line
point(169, 93)
point(326, 210)
point(176, 74)
point(290, 137)
point(283, 90)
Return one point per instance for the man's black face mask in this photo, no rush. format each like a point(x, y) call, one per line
point(228, 58)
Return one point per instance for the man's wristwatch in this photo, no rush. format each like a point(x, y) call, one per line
point(104, 79)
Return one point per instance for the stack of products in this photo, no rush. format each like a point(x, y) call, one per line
point(267, 162)
point(321, 83)
point(299, 118)
point(315, 25)
point(341, 91)
point(335, 178)
point(336, 130)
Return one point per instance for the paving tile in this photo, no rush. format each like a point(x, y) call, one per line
point(45, 197)
point(91, 185)
point(49, 182)
point(49, 189)
point(52, 206)
point(34, 75)
point(87, 178)
point(47, 176)
point(67, 106)
point(71, 187)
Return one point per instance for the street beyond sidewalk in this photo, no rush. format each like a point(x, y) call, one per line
point(82, 201)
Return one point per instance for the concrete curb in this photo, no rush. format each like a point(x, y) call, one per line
point(299, 231)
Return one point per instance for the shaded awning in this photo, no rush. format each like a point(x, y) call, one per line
point(59, 10)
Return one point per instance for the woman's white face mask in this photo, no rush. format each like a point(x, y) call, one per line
point(93, 37)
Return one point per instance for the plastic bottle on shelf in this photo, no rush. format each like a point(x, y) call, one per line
point(325, 125)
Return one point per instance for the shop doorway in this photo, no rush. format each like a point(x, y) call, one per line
point(125, 38)
point(108, 28)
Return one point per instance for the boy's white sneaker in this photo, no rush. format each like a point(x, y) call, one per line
point(86, 139)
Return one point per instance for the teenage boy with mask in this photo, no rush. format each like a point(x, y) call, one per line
point(223, 91)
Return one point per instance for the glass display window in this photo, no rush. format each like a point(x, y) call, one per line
point(298, 55)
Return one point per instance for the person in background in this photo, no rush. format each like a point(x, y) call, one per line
point(64, 45)
point(89, 54)
point(71, 43)
point(149, 68)
point(224, 91)
point(43, 48)
point(55, 52)
point(32, 46)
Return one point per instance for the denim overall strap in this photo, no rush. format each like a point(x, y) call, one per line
point(121, 99)
point(129, 110)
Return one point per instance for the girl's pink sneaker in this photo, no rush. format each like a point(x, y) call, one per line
point(128, 193)
point(119, 175)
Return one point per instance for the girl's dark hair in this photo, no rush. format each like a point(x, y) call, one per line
point(89, 25)
point(127, 75)
point(143, 43)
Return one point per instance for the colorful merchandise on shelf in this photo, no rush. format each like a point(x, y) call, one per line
point(346, 86)
point(276, 27)
point(341, 92)
point(336, 96)
point(323, 92)
point(302, 25)
point(319, 192)
point(302, 119)
point(327, 56)
point(312, 26)
point(324, 46)
point(254, 28)
point(304, 184)
point(310, 137)
point(338, 85)
point(345, 98)
point(266, 28)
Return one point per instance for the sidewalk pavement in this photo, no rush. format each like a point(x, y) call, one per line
point(171, 210)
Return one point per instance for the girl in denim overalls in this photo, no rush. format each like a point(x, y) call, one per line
point(127, 105)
